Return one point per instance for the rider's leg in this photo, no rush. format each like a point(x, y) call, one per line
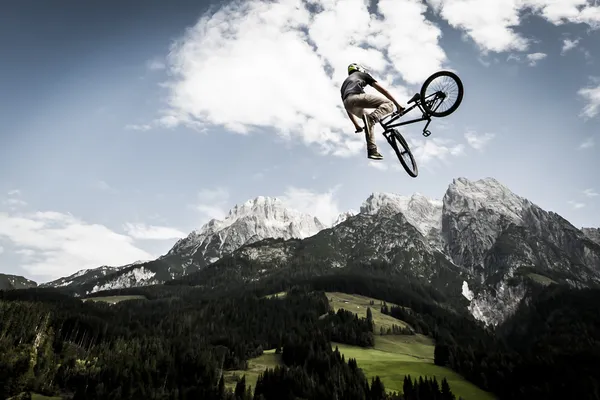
point(381, 105)
point(356, 105)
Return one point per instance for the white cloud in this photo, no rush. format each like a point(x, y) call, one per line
point(492, 24)
point(587, 144)
point(60, 244)
point(14, 192)
point(576, 205)
point(212, 203)
point(591, 95)
point(478, 142)
point(590, 193)
point(488, 22)
point(13, 203)
point(569, 44)
point(135, 127)
point(258, 63)
point(535, 57)
point(1, 249)
point(155, 65)
point(378, 165)
point(152, 232)
point(324, 206)
point(426, 151)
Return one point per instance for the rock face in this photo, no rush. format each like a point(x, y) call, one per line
point(481, 242)
point(592, 233)
point(500, 236)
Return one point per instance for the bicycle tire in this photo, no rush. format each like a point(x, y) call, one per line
point(396, 136)
point(429, 81)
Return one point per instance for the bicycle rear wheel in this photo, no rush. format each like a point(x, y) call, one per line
point(443, 88)
point(394, 138)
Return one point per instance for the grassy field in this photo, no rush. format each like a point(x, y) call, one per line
point(255, 366)
point(35, 396)
point(541, 279)
point(115, 299)
point(275, 295)
point(359, 304)
point(393, 357)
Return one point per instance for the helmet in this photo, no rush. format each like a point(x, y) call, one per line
point(355, 67)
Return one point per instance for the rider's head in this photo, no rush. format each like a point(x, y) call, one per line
point(355, 67)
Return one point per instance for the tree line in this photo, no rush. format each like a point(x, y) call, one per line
point(171, 348)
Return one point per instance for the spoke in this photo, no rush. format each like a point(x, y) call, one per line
point(446, 85)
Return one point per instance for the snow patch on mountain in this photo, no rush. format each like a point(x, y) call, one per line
point(466, 291)
point(343, 217)
point(132, 278)
point(493, 305)
point(423, 213)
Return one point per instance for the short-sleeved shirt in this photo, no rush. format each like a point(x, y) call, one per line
point(355, 83)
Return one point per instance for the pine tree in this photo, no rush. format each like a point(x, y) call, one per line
point(446, 392)
point(240, 388)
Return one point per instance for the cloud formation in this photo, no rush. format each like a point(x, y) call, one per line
point(152, 232)
point(591, 95)
point(492, 24)
point(428, 151)
point(55, 244)
point(212, 203)
point(477, 141)
point(276, 65)
point(569, 44)
point(587, 143)
point(535, 57)
point(576, 205)
point(324, 206)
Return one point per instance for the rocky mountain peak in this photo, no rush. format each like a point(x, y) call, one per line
point(420, 211)
point(253, 220)
point(486, 193)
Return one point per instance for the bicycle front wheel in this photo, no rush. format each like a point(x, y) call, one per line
point(442, 93)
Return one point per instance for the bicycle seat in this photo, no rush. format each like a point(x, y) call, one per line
point(416, 97)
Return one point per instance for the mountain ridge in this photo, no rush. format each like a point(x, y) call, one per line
point(492, 242)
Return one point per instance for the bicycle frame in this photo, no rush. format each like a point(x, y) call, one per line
point(394, 116)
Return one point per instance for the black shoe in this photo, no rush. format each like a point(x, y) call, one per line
point(373, 154)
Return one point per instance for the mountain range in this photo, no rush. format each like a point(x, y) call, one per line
point(481, 246)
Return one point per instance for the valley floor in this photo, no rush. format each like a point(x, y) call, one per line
point(392, 357)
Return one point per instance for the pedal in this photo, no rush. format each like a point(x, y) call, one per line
point(416, 97)
point(426, 133)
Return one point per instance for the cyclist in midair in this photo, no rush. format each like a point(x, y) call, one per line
point(356, 100)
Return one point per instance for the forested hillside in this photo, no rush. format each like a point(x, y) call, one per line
point(178, 341)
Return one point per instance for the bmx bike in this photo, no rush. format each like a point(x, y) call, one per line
point(429, 104)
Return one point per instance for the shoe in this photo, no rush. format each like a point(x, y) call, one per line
point(373, 154)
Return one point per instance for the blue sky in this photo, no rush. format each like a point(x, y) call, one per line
point(126, 124)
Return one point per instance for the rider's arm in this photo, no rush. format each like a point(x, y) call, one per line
point(387, 94)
